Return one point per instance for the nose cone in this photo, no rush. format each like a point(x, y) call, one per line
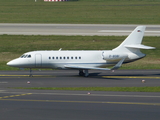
point(13, 63)
point(21, 63)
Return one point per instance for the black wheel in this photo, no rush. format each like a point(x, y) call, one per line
point(81, 73)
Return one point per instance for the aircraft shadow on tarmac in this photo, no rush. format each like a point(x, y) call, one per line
point(121, 76)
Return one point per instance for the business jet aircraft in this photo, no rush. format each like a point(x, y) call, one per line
point(127, 51)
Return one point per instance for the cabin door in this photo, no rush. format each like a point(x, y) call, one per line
point(38, 60)
point(103, 54)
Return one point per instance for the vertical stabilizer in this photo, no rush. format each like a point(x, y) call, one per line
point(134, 39)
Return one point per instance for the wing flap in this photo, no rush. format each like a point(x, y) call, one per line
point(95, 68)
point(85, 68)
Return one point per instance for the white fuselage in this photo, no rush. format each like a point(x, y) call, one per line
point(127, 51)
point(60, 59)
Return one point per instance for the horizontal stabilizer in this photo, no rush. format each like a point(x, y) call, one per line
point(95, 68)
point(139, 46)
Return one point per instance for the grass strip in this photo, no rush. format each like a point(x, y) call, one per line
point(119, 89)
point(81, 11)
point(13, 46)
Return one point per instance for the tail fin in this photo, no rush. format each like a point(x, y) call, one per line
point(133, 42)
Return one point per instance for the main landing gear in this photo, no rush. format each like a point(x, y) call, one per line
point(83, 73)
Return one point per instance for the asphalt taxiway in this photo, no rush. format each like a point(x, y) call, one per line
point(75, 29)
point(78, 105)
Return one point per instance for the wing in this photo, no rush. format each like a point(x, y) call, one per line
point(95, 68)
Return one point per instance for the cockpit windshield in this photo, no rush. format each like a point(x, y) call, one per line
point(25, 56)
point(22, 56)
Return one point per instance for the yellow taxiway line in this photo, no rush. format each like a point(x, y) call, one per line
point(6, 98)
point(14, 96)
point(92, 102)
point(26, 76)
point(146, 77)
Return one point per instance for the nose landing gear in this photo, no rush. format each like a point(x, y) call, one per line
point(30, 71)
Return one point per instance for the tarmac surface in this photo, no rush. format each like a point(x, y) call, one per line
point(18, 104)
point(75, 29)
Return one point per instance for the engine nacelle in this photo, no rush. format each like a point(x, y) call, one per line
point(113, 56)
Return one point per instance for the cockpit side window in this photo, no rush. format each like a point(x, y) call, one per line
point(25, 56)
point(29, 56)
point(22, 56)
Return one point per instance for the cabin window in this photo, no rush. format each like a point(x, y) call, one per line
point(23, 56)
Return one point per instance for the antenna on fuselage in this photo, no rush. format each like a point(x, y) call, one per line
point(60, 49)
